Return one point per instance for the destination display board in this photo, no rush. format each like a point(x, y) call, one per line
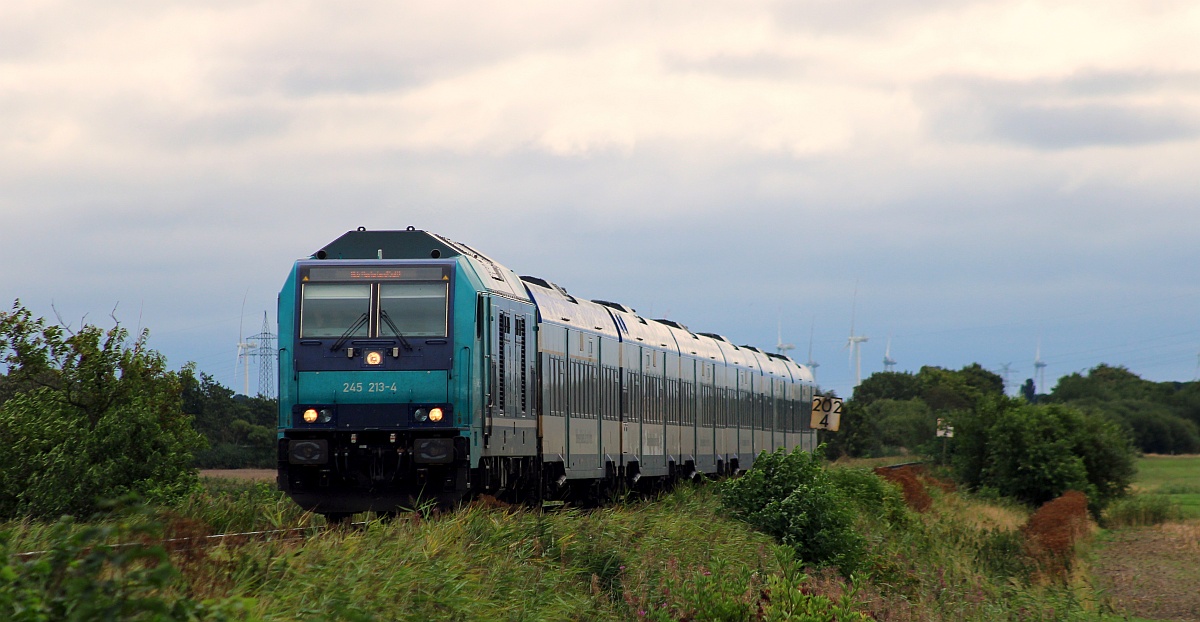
point(376, 273)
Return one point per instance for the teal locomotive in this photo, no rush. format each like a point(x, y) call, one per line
point(415, 369)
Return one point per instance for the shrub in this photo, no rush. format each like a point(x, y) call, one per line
point(793, 498)
point(89, 416)
point(1140, 511)
point(789, 596)
point(1031, 454)
point(872, 495)
point(1036, 453)
point(85, 576)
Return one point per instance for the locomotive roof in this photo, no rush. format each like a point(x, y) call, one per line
point(413, 243)
point(592, 316)
point(556, 306)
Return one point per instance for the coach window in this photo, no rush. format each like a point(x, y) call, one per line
point(415, 309)
point(330, 309)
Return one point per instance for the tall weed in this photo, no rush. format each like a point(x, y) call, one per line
point(1141, 510)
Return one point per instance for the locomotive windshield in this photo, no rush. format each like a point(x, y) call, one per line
point(414, 309)
point(376, 303)
point(330, 309)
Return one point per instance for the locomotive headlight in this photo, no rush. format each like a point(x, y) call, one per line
point(310, 415)
point(421, 415)
point(435, 414)
point(374, 358)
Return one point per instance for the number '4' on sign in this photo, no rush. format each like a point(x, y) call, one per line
point(826, 413)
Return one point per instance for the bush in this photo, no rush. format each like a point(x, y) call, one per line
point(871, 495)
point(1031, 454)
point(240, 430)
point(1036, 453)
point(85, 576)
point(88, 417)
point(793, 498)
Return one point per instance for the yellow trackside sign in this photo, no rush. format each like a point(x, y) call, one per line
point(826, 413)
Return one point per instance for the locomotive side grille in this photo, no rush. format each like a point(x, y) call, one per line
point(524, 364)
point(502, 388)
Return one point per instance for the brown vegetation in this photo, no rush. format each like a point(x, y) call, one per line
point(914, 491)
point(1052, 531)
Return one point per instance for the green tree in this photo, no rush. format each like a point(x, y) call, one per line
point(908, 424)
point(1031, 454)
point(240, 430)
point(1028, 391)
point(1109, 383)
point(1159, 415)
point(1035, 453)
point(91, 415)
point(889, 385)
point(972, 430)
point(948, 391)
point(891, 411)
point(858, 434)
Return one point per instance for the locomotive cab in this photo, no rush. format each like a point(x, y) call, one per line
point(373, 412)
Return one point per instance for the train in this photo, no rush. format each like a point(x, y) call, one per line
point(416, 370)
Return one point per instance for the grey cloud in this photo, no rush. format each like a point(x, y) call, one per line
point(855, 15)
point(1082, 110)
point(1066, 127)
point(305, 75)
point(1093, 83)
point(751, 66)
point(229, 125)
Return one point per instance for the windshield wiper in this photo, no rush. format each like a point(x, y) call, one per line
point(337, 345)
point(383, 315)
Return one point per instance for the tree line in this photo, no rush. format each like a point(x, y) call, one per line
point(1084, 435)
point(92, 414)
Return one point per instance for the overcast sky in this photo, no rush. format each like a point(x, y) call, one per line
point(987, 175)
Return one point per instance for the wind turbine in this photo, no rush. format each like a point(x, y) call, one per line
point(1039, 367)
point(854, 343)
point(244, 350)
point(812, 365)
point(889, 363)
point(780, 346)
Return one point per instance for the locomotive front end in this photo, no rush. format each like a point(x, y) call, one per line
point(371, 417)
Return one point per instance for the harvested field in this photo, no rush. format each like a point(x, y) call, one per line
point(1152, 572)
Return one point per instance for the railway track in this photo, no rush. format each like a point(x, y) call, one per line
point(237, 538)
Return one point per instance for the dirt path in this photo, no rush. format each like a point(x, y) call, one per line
point(256, 474)
point(1153, 572)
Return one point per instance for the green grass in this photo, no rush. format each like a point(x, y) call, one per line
point(674, 558)
point(1177, 477)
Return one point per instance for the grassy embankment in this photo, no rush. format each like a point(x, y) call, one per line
point(676, 558)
